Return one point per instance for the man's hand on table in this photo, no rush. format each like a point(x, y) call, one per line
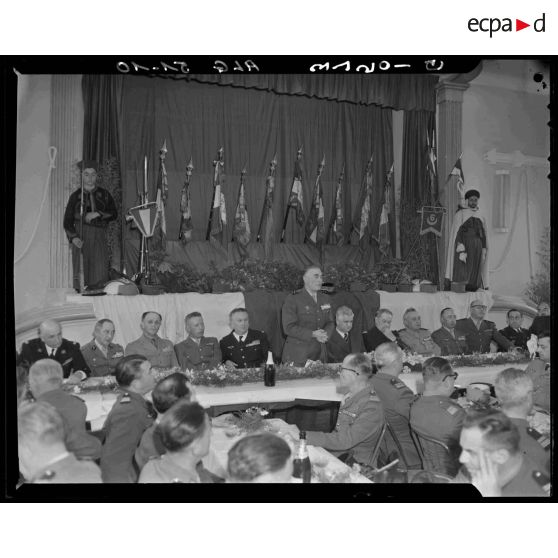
point(230, 365)
point(77, 377)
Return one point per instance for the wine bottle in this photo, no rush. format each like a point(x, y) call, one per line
point(302, 468)
point(269, 371)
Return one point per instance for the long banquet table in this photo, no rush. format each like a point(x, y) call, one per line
point(99, 404)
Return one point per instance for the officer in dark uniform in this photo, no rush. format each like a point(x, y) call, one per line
point(480, 332)
point(396, 398)
point(243, 347)
point(435, 413)
point(43, 456)
point(128, 419)
point(197, 352)
point(493, 459)
point(98, 210)
point(514, 390)
point(307, 321)
point(101, 354)
point(451, 340)
point(50, 344)
point(361, 414)
point(514, 332)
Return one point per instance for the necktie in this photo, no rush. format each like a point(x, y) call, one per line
point(240, 338)
point(154, 341)
point(346, 336)
point(52, 351)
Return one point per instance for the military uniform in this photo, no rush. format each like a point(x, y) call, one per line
point(73, 411)
point(449, 344)
point(67, 354)
point(397, 399)
point(159, 352)
point(524, 483)
point(68, 470)
point(300, 316)
point(419, 341)
point(251, 353)
point(165, 469)
point(99, 363)
point(359, 423)
point(439, 417)
point(478, 339)
point(127, 421)
point(150, 446)
point(518, 337)
point(95, 245)
point(540, 374)
point(533, 444)
point(204, 356)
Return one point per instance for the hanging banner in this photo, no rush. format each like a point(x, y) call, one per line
point(431, 220)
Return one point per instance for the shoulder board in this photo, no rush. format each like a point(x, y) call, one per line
point(543, 440)
point(125, 398)
point(452, 409)
point(296, 291)
point(77, 397)
point(397, 383)
point(542, 480)
point(373, 396)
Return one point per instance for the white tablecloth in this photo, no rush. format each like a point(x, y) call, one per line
point(99, 405)
point(429, 305)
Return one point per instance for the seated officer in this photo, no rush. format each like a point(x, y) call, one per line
point(514, 332)
point(164, 395)
point(45, 383)
point(514, 390)
point(481, 333)
point(435, 413)
point(451, 340)
point(43, 456)
point(341, 343)
point(101, 354)
point(492, 457)
point(51, 344)
point(128, 419)
point(396, 398)
point(416, 338)
point(361, 414)
point(243, 347)
point(197, 352)
point(159, 352)
point(260, 458)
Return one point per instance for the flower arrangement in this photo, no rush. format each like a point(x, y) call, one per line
point(250, 420)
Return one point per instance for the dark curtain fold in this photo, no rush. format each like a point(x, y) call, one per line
point(417, 191)
point(196, 119)
point(396, 91)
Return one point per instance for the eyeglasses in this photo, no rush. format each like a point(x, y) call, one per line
point(454, 376)
point(350, 370)
point(480, 306)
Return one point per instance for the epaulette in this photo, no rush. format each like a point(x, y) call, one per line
point(125, 398)
point(398, 384)
point(296, 291)
point(543, 440)
point(542, 480)
point(373, 396)
point(78, 397)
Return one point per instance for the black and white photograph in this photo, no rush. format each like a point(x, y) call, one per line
point(258, 269)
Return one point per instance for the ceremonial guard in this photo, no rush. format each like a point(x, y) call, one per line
point(87, 233)
point(307, 321)
point(101, 354)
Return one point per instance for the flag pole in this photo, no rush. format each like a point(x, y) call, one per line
point(298, 157)
point(81, 212)
point(242, 174)
point(210, 221)
point(272, 166)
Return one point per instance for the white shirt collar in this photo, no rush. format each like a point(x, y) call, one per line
point(237, 336)
point(341, 333)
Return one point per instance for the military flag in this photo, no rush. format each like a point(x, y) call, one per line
point(338, 217)
point(186, 227)
point(241, 231)
point(431, 220)
point(383, 237)
point(266, 221)
point(315, 230)
point(218, 217)
point(162, 195)
point(361, 221)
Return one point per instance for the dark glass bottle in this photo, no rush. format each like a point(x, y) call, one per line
point(269, 371)
point(302, 468)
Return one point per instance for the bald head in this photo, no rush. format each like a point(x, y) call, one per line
point(50, 333)
point(389, 359)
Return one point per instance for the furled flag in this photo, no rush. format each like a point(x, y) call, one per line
point(186, 227)
point(267, 214)
point(338, 219)
point(241, 231)
point(431, 220)
point(315, 229)
point(458, 171)
point(361, 222)
point(431, 163)
point(218, 210)
point(295, 199)
point(383, 238)
point(162, 193)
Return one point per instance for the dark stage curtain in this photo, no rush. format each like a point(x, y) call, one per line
point(417, 191)
point(251, 125)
